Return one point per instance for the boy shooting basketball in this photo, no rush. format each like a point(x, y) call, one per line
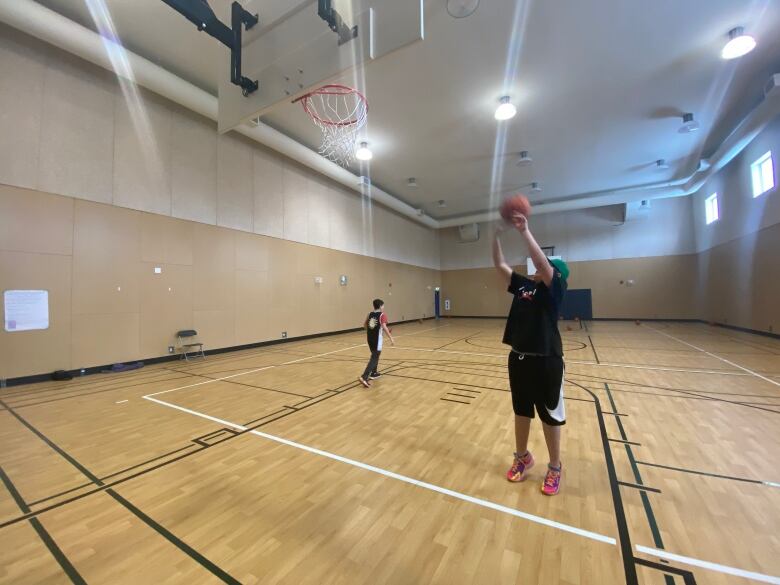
point(536, 360)
point(375, 324)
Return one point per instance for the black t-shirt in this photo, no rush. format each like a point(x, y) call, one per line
point(374, 328)
point(532, 325)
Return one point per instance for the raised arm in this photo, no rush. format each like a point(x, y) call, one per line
point(498, 257)
point(542, 265)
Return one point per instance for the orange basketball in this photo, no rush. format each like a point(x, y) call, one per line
point(515, 204)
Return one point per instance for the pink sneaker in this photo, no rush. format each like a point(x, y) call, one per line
point(520, 466)
point(552, 481)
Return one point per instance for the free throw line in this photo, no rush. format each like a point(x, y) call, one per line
point(397, 476)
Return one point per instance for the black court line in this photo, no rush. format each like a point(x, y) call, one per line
point(174, 540)
point(624, 540)
point(457, 340)
point(639, 487)
point(650, 515)
point(704, 473)
point(593, 347)
point(458, 401)
point(687, 576)
point(625, 442)
point(467, 390)
point(45, 537)
point(461, 395)
point(195, 555)
point(614, 413)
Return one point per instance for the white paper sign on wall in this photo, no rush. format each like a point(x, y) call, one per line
point(26, 310)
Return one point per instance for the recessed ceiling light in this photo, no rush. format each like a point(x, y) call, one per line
point(661, 164)
point(411, 182)
point(689, 124)
point(363, 153)
point(535, 187)
point(739, 44)
point(524, 159)
point(506, 109)
point(462, 8)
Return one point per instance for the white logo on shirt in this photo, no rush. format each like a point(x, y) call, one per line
point(372, 323)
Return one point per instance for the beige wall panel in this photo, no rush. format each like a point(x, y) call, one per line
point(215, 328)
point(252, 252)
point(213, 280)
point(740, 281)
point(165, 307)
point(296, 203)
point(193, 167)
point(77, 135)
point(32, 221)
point(268, 193)
point(320, 197)
point(106, 259)
point(235, 195)
point(22, 71)
point(664, 288)
point(165, 239)
point(253, 306)
point(26, 352)
point(142, 152)
point(105, 339)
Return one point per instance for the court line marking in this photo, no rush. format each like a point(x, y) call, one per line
point(708, 565)
point(120, 401)
point(602, 364)
point(403, 478)
point(277, 365)
point(713, 355)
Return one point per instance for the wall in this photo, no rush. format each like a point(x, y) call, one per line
point(107, 305)
point(586, 234)
point(739, 255)
point(655, 251)
point(664, 288)
point(68, 127)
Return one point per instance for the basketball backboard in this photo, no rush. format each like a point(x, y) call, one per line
point(292, 49)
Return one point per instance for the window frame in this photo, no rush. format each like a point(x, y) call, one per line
point(757, 174)
point(710, 205)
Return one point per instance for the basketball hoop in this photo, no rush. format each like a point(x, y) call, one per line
point(339, 112)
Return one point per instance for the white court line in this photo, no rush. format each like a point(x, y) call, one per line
point(120, 401)
point(277, 365)
point(406, 479)
point(713, 355)
point(708, 565)
point(603, 364)
point(659, 368)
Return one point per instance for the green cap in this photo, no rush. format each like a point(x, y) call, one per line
point(561, 267)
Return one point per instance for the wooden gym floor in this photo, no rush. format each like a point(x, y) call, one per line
point(273, 466)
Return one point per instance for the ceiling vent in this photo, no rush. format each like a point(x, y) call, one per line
point(468, 233)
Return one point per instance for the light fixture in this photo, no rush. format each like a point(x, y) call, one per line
point(506, 109)
point(441, 203)
point(661, 164)
point(535, 187)
point(462, 8)
point(411, 182)
point(689, 124)
point(363, 153)
point(524, 159)
point(739, 44)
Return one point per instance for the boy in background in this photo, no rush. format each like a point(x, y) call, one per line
point(375, 324)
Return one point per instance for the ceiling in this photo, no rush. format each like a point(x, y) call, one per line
point(600, 87)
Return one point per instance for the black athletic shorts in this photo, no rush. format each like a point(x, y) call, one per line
point(537, 381)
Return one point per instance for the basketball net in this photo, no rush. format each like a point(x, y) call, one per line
point(339, 112)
